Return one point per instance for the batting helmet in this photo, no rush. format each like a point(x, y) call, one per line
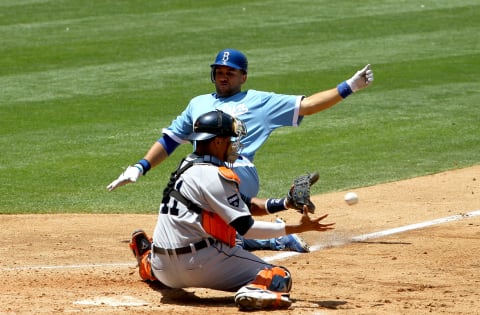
point(231, 58)
point(217, 123)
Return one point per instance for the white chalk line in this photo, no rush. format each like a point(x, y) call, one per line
point(80, 266)
point(125, 300)
point(281, 255)
point(364, 237)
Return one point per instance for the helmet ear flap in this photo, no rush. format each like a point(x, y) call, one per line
point(212, 75)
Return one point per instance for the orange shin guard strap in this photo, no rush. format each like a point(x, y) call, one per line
point(274, 279)
point(263, 279)
point(278, 302)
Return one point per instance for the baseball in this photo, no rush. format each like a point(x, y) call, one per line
point(351, 198)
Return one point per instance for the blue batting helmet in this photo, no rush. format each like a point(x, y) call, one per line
point(231, 58)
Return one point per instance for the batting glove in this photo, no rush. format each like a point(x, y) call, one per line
point(130, 175)
point(361, 79)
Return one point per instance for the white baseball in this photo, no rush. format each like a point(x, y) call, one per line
point(351, 198)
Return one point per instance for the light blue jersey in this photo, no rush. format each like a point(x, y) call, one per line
point(262, 113)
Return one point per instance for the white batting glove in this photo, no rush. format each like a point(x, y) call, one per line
point(361, 79)
point(130, 175)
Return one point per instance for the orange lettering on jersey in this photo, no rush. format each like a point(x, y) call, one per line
point(228, 174)
point(219, 229)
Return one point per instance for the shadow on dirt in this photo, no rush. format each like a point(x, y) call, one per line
point(331, 304)
point(177, 296)
point(174, 296)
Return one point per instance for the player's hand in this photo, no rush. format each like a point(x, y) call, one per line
point(309, 224)
point(361, 79)
point(130, 175)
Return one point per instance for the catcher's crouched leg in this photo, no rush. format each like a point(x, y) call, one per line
point(141, 246)
point(145, 268)
point(270, 289)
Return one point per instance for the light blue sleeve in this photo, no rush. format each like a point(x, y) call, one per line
point(182, 126)
point(282, 110)
point(264, 113)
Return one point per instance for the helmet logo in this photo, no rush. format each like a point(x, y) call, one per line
point(226, 56)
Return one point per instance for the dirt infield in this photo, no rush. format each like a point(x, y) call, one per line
point(81, 263)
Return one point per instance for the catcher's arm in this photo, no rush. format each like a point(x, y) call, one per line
point(308, 224)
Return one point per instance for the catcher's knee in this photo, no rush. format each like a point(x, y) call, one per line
point(276, 279)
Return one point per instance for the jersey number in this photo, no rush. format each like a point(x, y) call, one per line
point(172, 210)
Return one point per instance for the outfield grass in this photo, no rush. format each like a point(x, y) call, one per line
point(86, 87)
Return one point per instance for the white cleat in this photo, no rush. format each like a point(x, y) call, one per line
point(251, 298)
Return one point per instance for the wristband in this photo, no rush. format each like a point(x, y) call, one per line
point(344, 89)
point(275, 205)
point(145, 166)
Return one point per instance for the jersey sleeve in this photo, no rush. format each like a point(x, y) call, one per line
point(181, 126)
point(282, 110)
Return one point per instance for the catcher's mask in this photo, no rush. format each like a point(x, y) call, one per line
point(231, 58)
point(217, 123)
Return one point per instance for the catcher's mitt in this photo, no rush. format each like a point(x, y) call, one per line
point(299, 194)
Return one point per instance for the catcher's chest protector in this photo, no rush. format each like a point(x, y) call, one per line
point(214, 225)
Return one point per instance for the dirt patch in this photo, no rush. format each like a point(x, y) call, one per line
point(81, 263)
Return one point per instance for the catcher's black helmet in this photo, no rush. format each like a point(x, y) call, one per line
point(217, 123)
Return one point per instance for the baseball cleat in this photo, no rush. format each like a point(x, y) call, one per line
point(292, 242)
point(251, 298)
point(140, 244)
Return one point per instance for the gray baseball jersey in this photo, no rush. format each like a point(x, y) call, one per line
point(218, 266)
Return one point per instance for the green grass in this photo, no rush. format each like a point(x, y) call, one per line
point(87, 86)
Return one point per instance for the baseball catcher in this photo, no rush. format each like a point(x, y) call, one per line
point(200, 215)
